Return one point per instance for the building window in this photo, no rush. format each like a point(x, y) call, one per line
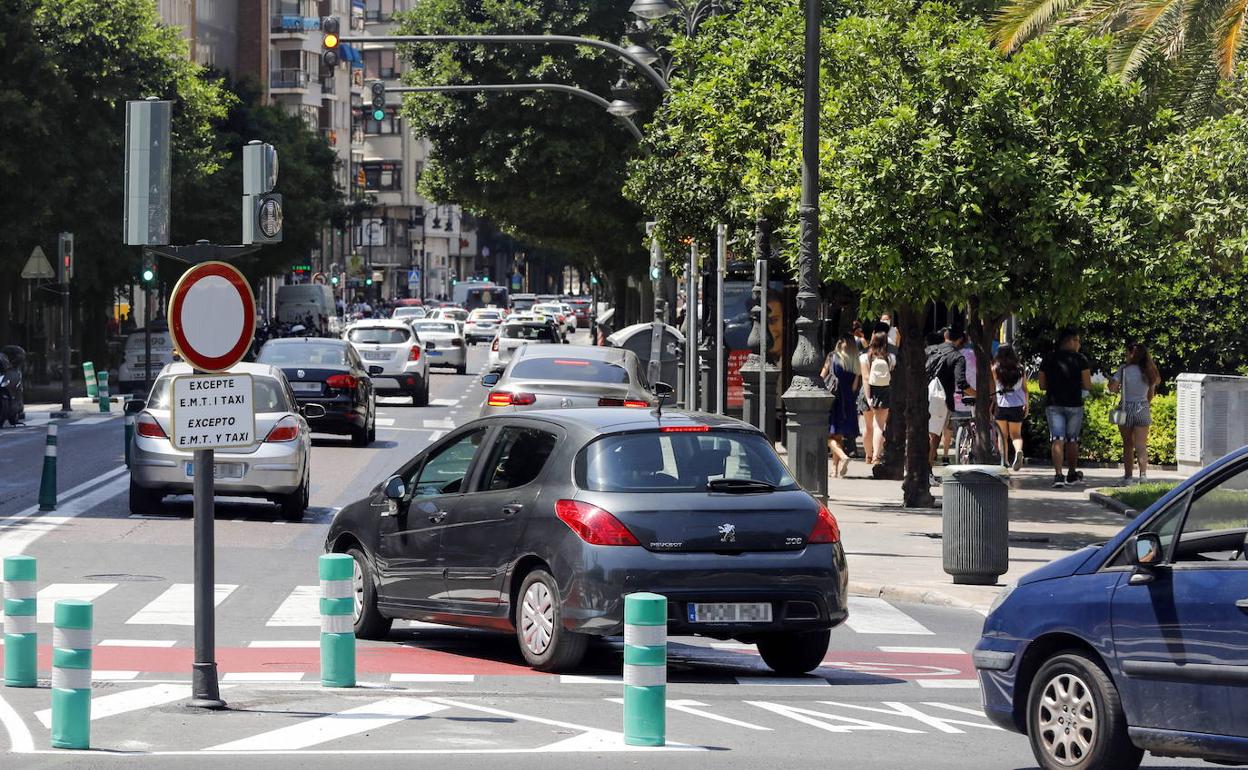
point(387, 125)
point(384, 175)
point(380, 63)
point(378, 10)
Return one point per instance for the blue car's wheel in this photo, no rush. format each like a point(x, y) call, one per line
point(1075, 718)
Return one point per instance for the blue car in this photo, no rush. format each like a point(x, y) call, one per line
point(1139, 644)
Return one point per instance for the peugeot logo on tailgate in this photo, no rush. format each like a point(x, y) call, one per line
point(727, 533)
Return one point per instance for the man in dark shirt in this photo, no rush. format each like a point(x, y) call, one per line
point(1065, 377)
point(946, 365)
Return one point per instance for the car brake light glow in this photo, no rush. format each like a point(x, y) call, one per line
point(826, 529)
point(523, 399)
point(494, 346)
point(570, 362)
point(635, 404)
point(503, 398)
point(592, 524)
point(629, 402)
point(684, 429)
point(340, 381)
point(498, 398)
point(286, 429)
point(413, 354)
point(147, 427)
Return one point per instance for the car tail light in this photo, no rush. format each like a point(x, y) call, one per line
point(826, 529)
point(494, 346)
point(341, 382)
point(413, 354)
point(147, 427)
point(629, 402)
point(592, 524)
point(635, 404)
point(287, 429)
point(498, 398)
point(503, 398)
point(685, 429)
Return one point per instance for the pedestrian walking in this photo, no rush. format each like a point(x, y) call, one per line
point(860, 337)
point(876, 368)
point(1136, 384)
point(946, 372)
point(842, 375)
point(1066, 378)
point(1012, 404)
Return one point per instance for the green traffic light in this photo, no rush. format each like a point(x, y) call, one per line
point(368, 282)
point(334, 280)
point(379, 115)
point(148, 275)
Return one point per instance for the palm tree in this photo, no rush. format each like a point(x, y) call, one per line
point(1202, 40)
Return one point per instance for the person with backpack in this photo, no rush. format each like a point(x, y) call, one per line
point(876, 367)
point(946, 368)
point(842, 376)
point(1012, 403)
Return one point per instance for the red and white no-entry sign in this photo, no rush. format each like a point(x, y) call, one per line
point(212, 316)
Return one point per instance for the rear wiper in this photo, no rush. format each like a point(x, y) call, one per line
point(739, 485)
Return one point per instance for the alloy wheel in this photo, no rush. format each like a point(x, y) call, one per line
point(537, 618)
point(1067, 720)
point(357, 584)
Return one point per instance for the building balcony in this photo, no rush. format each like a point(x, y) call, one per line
point(294, 25)
point(289, 80)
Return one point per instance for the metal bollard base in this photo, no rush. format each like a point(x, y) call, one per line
point(204, 686)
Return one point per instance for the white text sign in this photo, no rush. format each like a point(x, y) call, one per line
point(213, 411)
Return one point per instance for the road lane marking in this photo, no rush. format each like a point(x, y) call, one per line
point(687, 707)
point(20, 740)
point(949, 684)
point(876, 616)
point(175, 607)
point(833, 723)
point(300, 608)
point(51, 594)
point(584, 679)
point(437, 434)
point(447, 678)
point(263, 676)
point(19, 530)
point(923, 650)
point(383, 422)
point(131, 700)
point(114, 676)
point(343, 724)
point(137, 643)
point(90, 421)
point(283, 645)
point(438, 424)
point(893, 708)
point(779, 681)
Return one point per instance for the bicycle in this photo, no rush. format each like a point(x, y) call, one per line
point(966, 437)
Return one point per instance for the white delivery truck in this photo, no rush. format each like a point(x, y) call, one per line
point(310, 304)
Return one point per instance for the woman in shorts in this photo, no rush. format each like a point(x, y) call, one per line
point(1012, 403)
point(1136, 383)
point(876, 366)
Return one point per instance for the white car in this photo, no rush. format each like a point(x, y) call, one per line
point(482, 325)
point(130, 373)
point(565, 318)
point(409, 312)
point(443, 342)
point(518, 332)
point(450, 314)
point(569, 314)
point(395, 358)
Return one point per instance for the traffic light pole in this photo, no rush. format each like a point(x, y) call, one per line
point(65, 338)
point(147, 339)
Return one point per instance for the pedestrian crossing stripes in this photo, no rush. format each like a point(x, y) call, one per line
point(175, 607)
point(877, 616)
point(300, 608)
point(312, 732)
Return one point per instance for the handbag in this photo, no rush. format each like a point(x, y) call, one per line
point(1118, 415)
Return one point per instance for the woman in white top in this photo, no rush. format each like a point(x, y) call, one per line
point(876, 367)
point(1136, 383)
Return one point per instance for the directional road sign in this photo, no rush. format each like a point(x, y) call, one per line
point(212, 316)
point(212, 411)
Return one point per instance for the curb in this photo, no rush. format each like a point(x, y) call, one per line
point(912, 595)
point(1112, 504)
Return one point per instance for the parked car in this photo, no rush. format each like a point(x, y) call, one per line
point(482, 325)
point(274, 468)
point(450, 314)
point(1138, 644)
point(409, 312)
point(12, 385)
point(444, 343)
point(516, 332)
point(539, 523)
point(580, 306)
point(522, 303)
point(130, 373)
point(330, 373)
point(567, 376)
point(394, 356)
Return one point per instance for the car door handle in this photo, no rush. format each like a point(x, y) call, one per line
point(513, 509)
point(438, 516)
point(1242, 604)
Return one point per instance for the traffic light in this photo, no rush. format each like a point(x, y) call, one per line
point(65, 257)
point(333, 279)
point(329, 42)
point(148, 272)
point(378, 90)
point(368, 281)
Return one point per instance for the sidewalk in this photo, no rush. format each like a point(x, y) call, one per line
point(895, 552)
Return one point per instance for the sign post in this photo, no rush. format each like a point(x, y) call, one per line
point(212, 316)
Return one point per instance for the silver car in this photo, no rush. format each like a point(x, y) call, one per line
point(567, 376)
point(276, 468)
point(444, 342)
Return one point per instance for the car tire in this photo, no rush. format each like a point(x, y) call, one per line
point(359, 437)
point(372, 426)
point(421, 396)
point(143, 501)
point(294, 504)
point(794, 652)
point(461, 369)
point(551, 647)
point(1084, 692)
point(369, 622)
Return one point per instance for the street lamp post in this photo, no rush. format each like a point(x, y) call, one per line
point(807, 400)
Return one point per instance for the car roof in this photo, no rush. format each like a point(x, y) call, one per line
point(388, 323)
point(591, 352)
point(303, 340)
point(626, 419)
point(243, 367)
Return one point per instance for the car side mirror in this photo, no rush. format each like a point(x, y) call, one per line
point(662, 389)
point(134, 406)
point(1145, 552)
point(491, 379)
point(395, 488)
point(375, 370)
point(313, 411)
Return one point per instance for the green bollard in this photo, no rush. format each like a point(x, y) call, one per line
point(129, 436)
point(105, 404)
point(47, 483)
point(645, 669)
point(71, 675)
point(88, 374)
point(337, 621)
point(21, 637)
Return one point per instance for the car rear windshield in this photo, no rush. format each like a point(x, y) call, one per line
point(435, 327)
point(307, 354)
point(528, 331)
point(378, 335)
point(569, 370)
point(408, 312)
point(268, 394)
point(485, 315)
point(678, 462)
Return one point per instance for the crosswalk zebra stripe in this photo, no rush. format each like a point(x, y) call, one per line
point(263, 676)
point(343, 724)
point(175, 607)
point(300, 608)
point(137, 643)
point(49, 596)
point(876, 616)
point(130, 700)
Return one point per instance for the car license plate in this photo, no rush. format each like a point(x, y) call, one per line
point(306, 387)
point(376, 355)
point(434, 352)
point(751, 612)
point(219, 470)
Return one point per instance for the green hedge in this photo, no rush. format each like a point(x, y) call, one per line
point(1101, 441)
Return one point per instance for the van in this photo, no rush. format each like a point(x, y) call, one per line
point(310, 304)
point(130, 374)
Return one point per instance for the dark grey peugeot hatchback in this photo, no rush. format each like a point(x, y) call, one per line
point(539, 523)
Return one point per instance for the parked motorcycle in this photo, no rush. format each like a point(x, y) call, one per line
point(12, 392)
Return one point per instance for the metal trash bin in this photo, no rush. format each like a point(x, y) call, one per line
point(976, 523)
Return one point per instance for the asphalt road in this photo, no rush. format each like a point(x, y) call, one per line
point(897, 689)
